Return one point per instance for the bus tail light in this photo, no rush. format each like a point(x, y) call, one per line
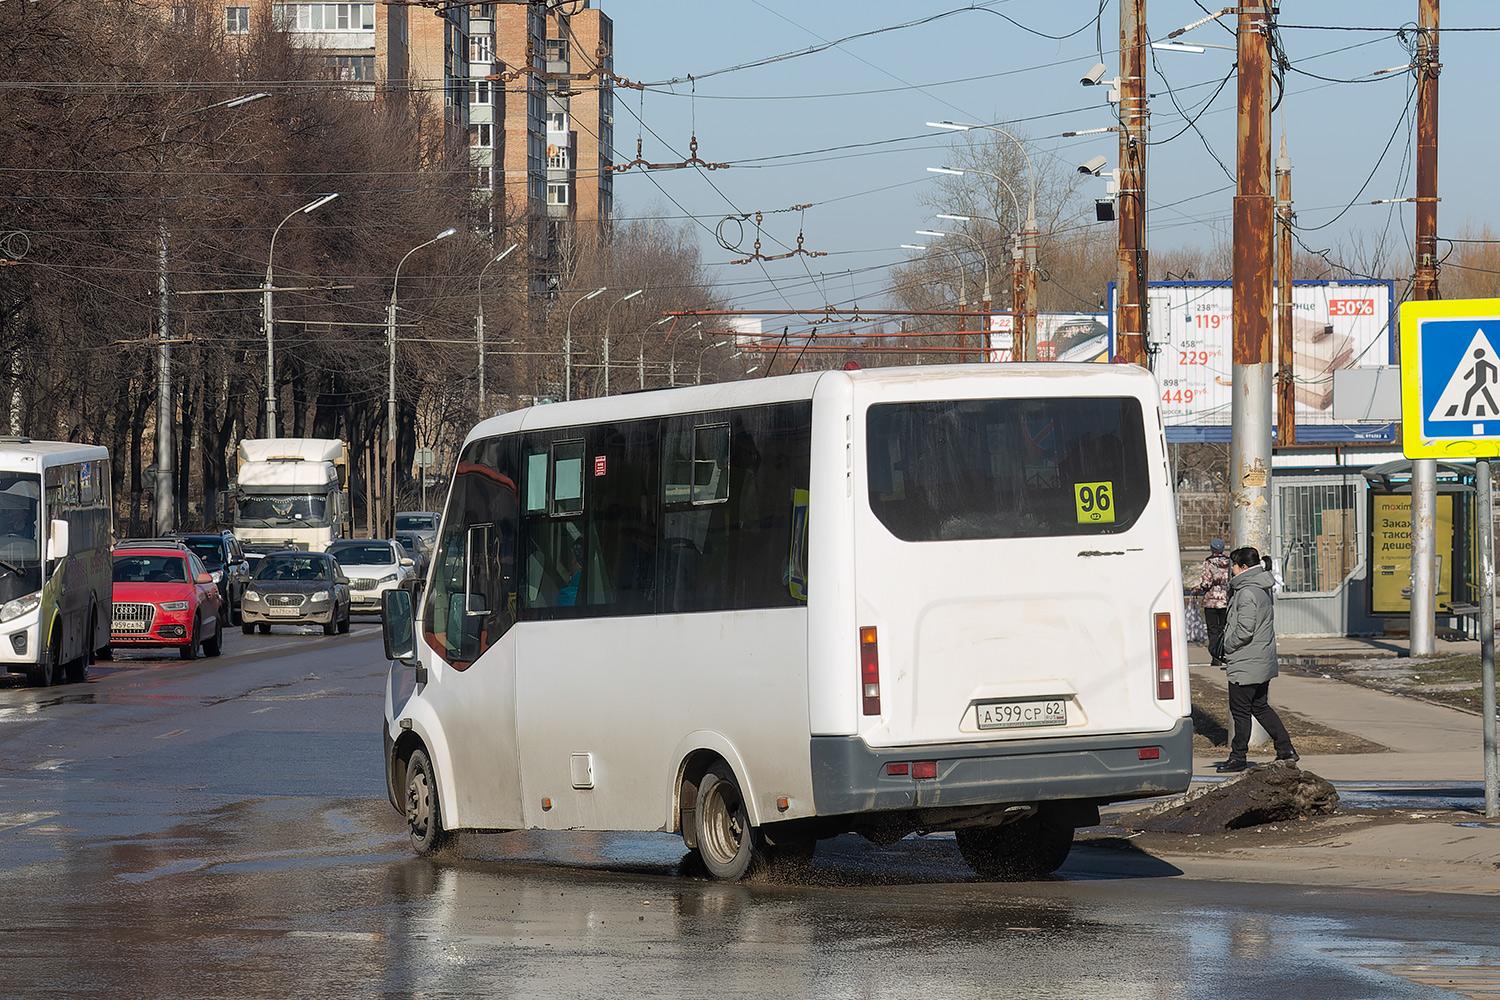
point(869, 669)
point(1166, 686)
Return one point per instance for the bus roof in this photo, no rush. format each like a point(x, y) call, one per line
point(785, 388)
point(23, 453)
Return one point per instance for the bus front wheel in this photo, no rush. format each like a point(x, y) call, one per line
point(43, 673)
point(729, 847)
point(424, 818)
point(1026, 849)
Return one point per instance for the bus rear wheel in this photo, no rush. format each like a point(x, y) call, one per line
point(424, 817)
point(729, 847)
point(1029, 848)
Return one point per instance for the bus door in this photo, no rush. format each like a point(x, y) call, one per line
point(1012, 556)
point(467, 620)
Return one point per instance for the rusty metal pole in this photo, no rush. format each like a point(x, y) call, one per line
point(1286, 389)
point(1423, 627)
point(1250, 416)
point(1130, 284)
point(1030, 236)
point(1017, 301)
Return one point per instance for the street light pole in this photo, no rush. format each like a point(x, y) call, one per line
point(390, 403)
point(479, 329)
point(985, 307)
point(568, 344)
point(267, 314)
point(1018, 266)
point(165, 512)
point(607, 313)
point(1028, 234)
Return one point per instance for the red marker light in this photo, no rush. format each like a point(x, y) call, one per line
point(1166, 686)
point(1149, 753)
point(869, 669)
point(924, 769)
point(897, 770)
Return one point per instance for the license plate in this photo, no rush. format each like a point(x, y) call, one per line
point(1022, 714)
point(284, 612)
point(119, 626)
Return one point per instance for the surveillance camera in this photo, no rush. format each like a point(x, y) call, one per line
point(1094, 75)
point(1093, 166)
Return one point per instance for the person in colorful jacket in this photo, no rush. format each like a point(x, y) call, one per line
point(1214, 587)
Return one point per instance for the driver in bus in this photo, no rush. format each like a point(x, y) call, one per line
point(15, 518)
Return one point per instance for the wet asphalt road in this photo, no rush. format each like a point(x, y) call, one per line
point(220, 829)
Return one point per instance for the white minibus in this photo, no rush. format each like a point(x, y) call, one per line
point(56, 573)
point(762, 613)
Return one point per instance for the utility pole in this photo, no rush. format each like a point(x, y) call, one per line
point(1250, 415)
point(1286, 389)
point(1029, 249)
point(1423, 628)
point(1130, 283)
point(166, 485)
point(1018, 302)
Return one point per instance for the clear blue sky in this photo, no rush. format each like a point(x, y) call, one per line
point(842, 129)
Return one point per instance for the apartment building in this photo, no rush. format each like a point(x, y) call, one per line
point(529, 87)
point(557, 125)
point(410, 48)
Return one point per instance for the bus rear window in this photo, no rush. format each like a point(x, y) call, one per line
point(1007, 468)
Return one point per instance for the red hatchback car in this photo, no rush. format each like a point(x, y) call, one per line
point(165, 597)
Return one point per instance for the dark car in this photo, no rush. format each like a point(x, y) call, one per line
point(418, 547)
point(297, 588)
point(424, 522)
point(226, 563)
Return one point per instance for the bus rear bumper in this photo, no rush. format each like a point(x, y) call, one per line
point(850, 777)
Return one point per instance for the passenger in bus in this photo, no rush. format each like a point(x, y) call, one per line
point(567, 594)
point(1250, 658)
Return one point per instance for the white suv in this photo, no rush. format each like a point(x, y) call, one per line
point(373, 565)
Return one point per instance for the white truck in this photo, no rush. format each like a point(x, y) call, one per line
point(291, 492)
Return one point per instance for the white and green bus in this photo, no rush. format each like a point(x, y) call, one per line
point(56, 527)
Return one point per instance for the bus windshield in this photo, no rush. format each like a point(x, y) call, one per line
point(20, 552)
point(270, 511)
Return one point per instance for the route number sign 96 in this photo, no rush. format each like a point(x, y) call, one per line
point(1095, 502)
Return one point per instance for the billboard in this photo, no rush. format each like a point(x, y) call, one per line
point(1335, 325)
point(1060, 336)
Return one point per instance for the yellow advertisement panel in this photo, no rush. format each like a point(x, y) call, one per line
point(1390, 553)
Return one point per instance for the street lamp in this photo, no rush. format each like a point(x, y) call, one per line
point(704, 351)
point(985, 308)
point(479, 320)
point(568, 343)
point(607, 313)
point(1028, 234)
point(390, 404)
point(165, 497)
point(640, 350)
point(266, 312)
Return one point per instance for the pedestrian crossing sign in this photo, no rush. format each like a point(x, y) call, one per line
point(1450, 378)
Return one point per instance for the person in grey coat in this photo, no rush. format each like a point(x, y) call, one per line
point(1250, 657)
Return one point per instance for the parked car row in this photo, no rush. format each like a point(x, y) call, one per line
point(179, 592)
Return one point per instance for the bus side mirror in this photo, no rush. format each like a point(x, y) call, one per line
point(398, 625)
point(57, 540)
